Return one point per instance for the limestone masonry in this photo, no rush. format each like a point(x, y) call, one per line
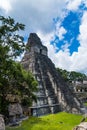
point(53, 94)
point(2, 123)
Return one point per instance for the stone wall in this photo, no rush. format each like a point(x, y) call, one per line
point(2, 124)
point(36, 45)
point(15, 112)
point(41, 50)
point(53, 94)
point(15, 109)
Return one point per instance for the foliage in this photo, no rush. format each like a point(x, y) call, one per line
point(77, 76)
point(85, 104)
point(11, 44)
point(71, 76)
point(21, 83)
point(60, 121)
point(64, 74)
point(14, 80)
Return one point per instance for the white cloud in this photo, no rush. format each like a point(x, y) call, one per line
point(37, 15)
point(78, 60)
point(60, 31)
point(5, 5)
point(85, 2)
point(73, 4)
point(62, 58)
point(83, 30)
point(65, 47)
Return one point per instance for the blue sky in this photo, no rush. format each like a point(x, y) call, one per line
point(71, 23)
point(61, 25)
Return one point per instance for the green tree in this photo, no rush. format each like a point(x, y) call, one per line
point(76, 76)
point(22, 83)
point(71, 76)
point(13, 78)
point(64, 74)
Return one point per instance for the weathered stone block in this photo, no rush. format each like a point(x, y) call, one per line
point(81, 126)
point(2, 123)
point(15, 112)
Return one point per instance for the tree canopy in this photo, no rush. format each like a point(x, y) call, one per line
point(71, 75)
point(14, 79)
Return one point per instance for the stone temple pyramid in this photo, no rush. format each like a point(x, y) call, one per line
point(53, 94)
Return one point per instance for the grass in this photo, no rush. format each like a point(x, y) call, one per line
point(59, 121)
point(85, 104)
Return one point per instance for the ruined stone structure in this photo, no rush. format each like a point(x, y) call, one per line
point(15, 112)
point(80, 89)
point(80, 86)
point(53, 94)
point(81, 126)
point(2, 123)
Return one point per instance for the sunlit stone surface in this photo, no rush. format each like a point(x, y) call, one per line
point(53, 95)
